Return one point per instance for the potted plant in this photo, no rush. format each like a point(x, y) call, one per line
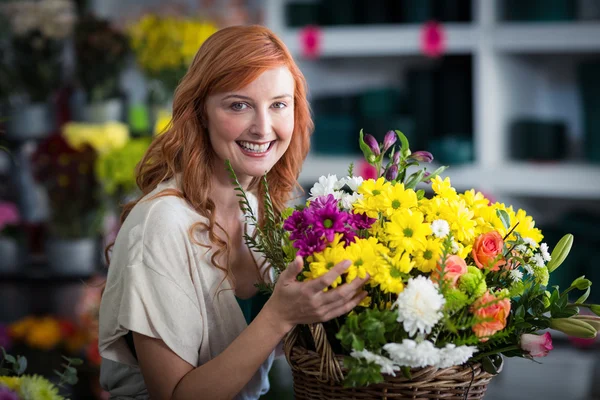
point(38, 33)
point(9, 220)
point(101, 52)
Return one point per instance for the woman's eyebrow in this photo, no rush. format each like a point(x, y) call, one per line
point(239, 96)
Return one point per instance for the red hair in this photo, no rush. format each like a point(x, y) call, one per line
point(228, 60)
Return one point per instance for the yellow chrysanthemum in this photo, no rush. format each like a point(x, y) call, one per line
point(365, 255)
point(526, 227)
point(433, 208)
point(11, 382)
point(321, 263)
point(389, 274)
point(474, 200)
point(407, 230)
point(373, 201)
point(39, 388)
point(397, 198)
point(460, 219)
point(427, 258)
point(443, 188)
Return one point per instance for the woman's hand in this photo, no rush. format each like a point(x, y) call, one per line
point(295, 302)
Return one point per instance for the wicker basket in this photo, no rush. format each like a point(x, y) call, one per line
point(317, 375)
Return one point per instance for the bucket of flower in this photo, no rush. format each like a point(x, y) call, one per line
point(455, 283)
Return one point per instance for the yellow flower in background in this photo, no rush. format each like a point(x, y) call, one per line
point(11, 382)
point(396, 198)
point(101, 137)
point(44, 334)
point(163, 120)
point(443, 188)
point(365, 255)
point(20, 328)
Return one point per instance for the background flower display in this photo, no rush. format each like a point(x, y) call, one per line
point(38, 30)
point(101, 51)
point(452, 277)
point(164, 47)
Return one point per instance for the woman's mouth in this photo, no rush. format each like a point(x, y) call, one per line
point(255, 149)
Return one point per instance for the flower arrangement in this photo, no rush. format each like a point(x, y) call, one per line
point(39, 30)
point(452, 277)
point(101, 52)
point(165, 46)
point(65, 165)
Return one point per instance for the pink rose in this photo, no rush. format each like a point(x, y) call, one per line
point(536, 345)
point(487, 248)
point(454, 269)
point(492, 312)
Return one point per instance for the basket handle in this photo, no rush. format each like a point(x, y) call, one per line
point(329, 369)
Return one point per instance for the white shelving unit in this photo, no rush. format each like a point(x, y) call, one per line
point(519, 70)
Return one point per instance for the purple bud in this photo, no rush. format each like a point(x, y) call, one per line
point(372, 143)
point(392, 172)
point(422, 156)
point(427, 174)
point(389, 140)
point(396, 158)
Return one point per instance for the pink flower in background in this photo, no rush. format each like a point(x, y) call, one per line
point(433, 39)
point(7, 394)
point(310, 41)
point(366, 170)
point(9, 215)
point(454, 268)
point(5, 340)
point(536, 345)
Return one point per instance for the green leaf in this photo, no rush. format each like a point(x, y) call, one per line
point(581, 283)
point(414, 179)
point(504, 217)
point(435, 173)
point(21, 365)
point(491, 364)
point(420, 194)
point(560, 252)
point(584, 296)
point(351, 169)
point(10, 359)
point(404, 142)
point(73, 361)
point(369, 156)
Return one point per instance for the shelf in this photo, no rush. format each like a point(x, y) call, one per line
point(558, 180)
point(547, 37)
point(383, 40)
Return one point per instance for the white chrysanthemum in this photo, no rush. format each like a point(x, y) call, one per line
point(454, 248)
point(387, 365)
point(452, 355)
point(530, 242)
point(324, 187)
point(349, 199)
point(353, 182)
point(545, 253)
point(516, 275)
point(538, 260)
point(521, 248)
point(412, 354)
point(528, 268)
point(440, 228)
point(419, 305)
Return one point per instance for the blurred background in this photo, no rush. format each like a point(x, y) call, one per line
point(505, 92)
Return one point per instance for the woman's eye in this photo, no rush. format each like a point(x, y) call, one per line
point(238, 106)
point(279, 104)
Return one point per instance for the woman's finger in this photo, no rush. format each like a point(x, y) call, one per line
point(344, 308)
point(345, 291)
point(326, 280)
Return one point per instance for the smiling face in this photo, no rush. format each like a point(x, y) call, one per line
point(252, 127)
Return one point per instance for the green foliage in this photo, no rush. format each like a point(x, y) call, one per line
point(370, 330)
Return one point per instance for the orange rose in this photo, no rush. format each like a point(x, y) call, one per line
point(494, 312)
point(486, 249)
point(454, 269)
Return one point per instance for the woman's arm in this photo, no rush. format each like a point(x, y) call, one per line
point(167, 376)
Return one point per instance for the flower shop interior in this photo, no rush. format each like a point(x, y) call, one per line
point(85, 85)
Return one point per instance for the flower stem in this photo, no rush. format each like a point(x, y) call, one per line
point(489, 353)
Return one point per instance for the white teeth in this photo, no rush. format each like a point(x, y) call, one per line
point(255, 148)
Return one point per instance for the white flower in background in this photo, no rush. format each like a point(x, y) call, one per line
point(387, 365)
point(528, 269)
point(325, 186)
point(452, 355)
point(545, 254)
point(412, 354)
point(440, 228)
point(349, 199)
point(538, 260)
point(419, 305)
point(353, 182)
point(521, 248)
point(530, 242)
point(516, 275)
point(454, 248)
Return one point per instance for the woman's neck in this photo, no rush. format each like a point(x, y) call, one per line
point(224, 194)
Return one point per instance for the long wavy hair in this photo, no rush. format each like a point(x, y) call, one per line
point(227, 61)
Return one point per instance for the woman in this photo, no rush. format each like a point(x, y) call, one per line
point(171, 326)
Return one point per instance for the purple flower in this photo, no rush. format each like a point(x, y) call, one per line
point(7, 394)
point(349, 237)
point(323, 202)
point(396, 158)
point(360, 221)
point(422, 156)
point(310, 243)
point(5, 340)
point(392, 172)
point(427, 174)
point(329, 220)
point(389, 140)
point(298, 223)
point(372, 143)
